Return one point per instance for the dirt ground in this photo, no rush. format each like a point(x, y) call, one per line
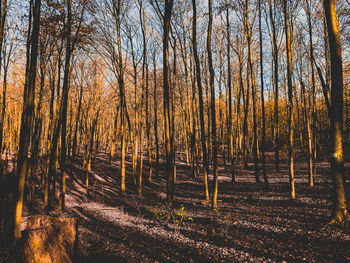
point(252, 223)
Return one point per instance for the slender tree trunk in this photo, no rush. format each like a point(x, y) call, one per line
point(117, 7)
point(172, 111)
point(144, 90)
point(139, 178)
point(229, 87)
point(200, 93)
point(3, 110)
point(275, 72)
point(155, 108)
point(311, 106)
point(263, 131)
point(90, 150)
point(213, 111)
point(148, 127)
point(246, 100)
point(252, 78)
point(74, 148)
point(64, 105)
point(37, 129)
point(135, 141)
point(47, 178)
point(290, 97)
point(3, 18)
point(194, 145)
point(166, 101)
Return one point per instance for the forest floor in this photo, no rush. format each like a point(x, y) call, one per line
point(252, 223)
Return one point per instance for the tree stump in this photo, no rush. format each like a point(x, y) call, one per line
point(49, 239)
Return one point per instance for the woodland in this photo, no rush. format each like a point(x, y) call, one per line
point(174, 131)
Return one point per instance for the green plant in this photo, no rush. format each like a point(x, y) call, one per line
point(176, 215)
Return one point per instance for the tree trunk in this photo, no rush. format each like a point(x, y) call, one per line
point(290, 98)
point(340, 212)
point(200, 93)
point(5, 68)
point(74, 148)
point(229, 87)
point(155, 112)
point(213, 111)
point(252, 78)
point(311, 106)
point(263, 132)
point(166, 87)
point(117, 7)
point(27, 118)
point(275, 72)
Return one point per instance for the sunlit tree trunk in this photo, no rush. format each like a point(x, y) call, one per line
point(340, 212)
point(135, 137)
point(117, 10)
point(144, 90)
point(221, 139)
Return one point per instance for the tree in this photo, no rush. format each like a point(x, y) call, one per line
point(117, 13)
point(272, 14)
point(166, 22)
point(340, 212)
point(230, 128)
point(213, 112)
point(311, 111)
point(27, 114)
point(263, 130)
point(3, 19)
point(289, 49)
point(253, 85)
point(60, 127)
point(200, 93)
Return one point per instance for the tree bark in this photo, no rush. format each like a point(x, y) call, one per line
point(201, 110)
point(252, 78)
point(229, 87)
point(27, 118)
point(290, 97)
point(340, 212)
point(166, 100)
point(263, 131)
point(213, 111)
point(275, 73)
